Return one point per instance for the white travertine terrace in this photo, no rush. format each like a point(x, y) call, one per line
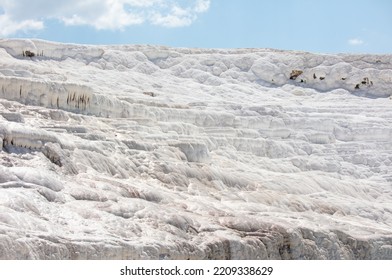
point(145, 152)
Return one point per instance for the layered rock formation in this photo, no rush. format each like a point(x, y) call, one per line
point(142, 152)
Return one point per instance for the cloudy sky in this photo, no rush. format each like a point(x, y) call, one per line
point(331, 26)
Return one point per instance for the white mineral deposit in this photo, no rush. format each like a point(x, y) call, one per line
point(148, 152)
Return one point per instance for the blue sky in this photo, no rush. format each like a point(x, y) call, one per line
point(329, 26)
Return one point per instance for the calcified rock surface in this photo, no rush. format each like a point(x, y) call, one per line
point(142, 152)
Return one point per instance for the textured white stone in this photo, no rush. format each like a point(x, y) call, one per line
point(147, 152)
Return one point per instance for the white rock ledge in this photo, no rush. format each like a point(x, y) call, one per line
point(148, 152)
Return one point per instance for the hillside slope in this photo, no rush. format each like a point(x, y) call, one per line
point(145, 152)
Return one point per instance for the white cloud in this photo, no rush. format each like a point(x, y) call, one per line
point(202, 6)
point(26, 15)
point(356, 42)
point(177, 17)
point(8, 26)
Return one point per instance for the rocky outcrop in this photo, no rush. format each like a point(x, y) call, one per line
point(141, 152)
